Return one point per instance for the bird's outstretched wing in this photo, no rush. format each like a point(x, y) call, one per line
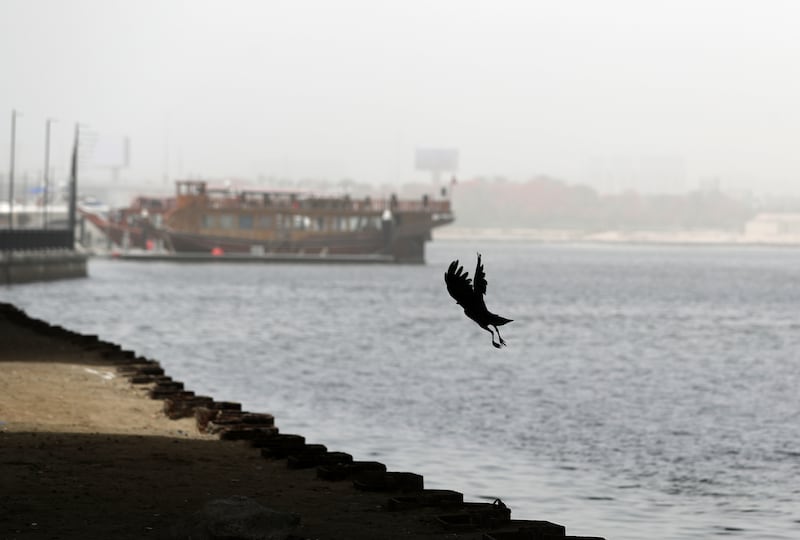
point(459, 284)
point(480, 278)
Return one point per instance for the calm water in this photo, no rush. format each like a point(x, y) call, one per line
point(646, 392)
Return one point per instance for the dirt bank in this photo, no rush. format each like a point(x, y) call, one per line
point(84, 453)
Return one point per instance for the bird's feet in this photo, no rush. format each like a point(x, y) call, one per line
point(502, 341)
point(496, 345)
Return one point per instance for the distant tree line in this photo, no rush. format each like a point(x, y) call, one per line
point(544, 202)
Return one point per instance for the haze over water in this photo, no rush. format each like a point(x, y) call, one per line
point(619, 94)
point(646, 392)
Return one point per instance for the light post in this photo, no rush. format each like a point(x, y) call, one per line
point(14, 115)
point(46, 171)
point(46, 191)
point(73, 182)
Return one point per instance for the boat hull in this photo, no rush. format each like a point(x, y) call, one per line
point(406, 249)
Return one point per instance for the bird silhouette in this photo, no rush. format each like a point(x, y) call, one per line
point(469, 295)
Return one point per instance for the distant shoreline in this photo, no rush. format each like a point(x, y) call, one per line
point(697, 238)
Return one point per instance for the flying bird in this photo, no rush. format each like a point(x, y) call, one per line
point(469, 295)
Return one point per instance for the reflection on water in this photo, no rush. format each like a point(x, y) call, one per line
point(645, 392)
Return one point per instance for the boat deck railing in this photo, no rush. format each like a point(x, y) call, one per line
point(365, 205)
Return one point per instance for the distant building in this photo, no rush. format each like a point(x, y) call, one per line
point(643, 173)
point(773, 227)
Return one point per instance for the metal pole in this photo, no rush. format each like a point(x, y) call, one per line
point(73, 184)
point(11, 169)
point(46, 170)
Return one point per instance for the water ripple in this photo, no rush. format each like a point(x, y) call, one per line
point(645, 392)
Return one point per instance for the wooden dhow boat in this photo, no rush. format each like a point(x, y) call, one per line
point(222, 219)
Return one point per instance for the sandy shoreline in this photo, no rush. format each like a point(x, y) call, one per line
point(84, 453)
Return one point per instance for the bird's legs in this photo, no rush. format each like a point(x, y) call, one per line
point(502, 341)
point(497, 345)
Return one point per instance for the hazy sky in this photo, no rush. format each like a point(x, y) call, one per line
point(588, 91)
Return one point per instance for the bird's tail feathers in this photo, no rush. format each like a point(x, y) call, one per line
point(497, 320)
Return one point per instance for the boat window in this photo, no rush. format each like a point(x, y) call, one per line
point(313, 223)
point(300, 222)
point(226, 221)
point(353, 223)
point(245, 221)
point(264, 222)
point(209, 221)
